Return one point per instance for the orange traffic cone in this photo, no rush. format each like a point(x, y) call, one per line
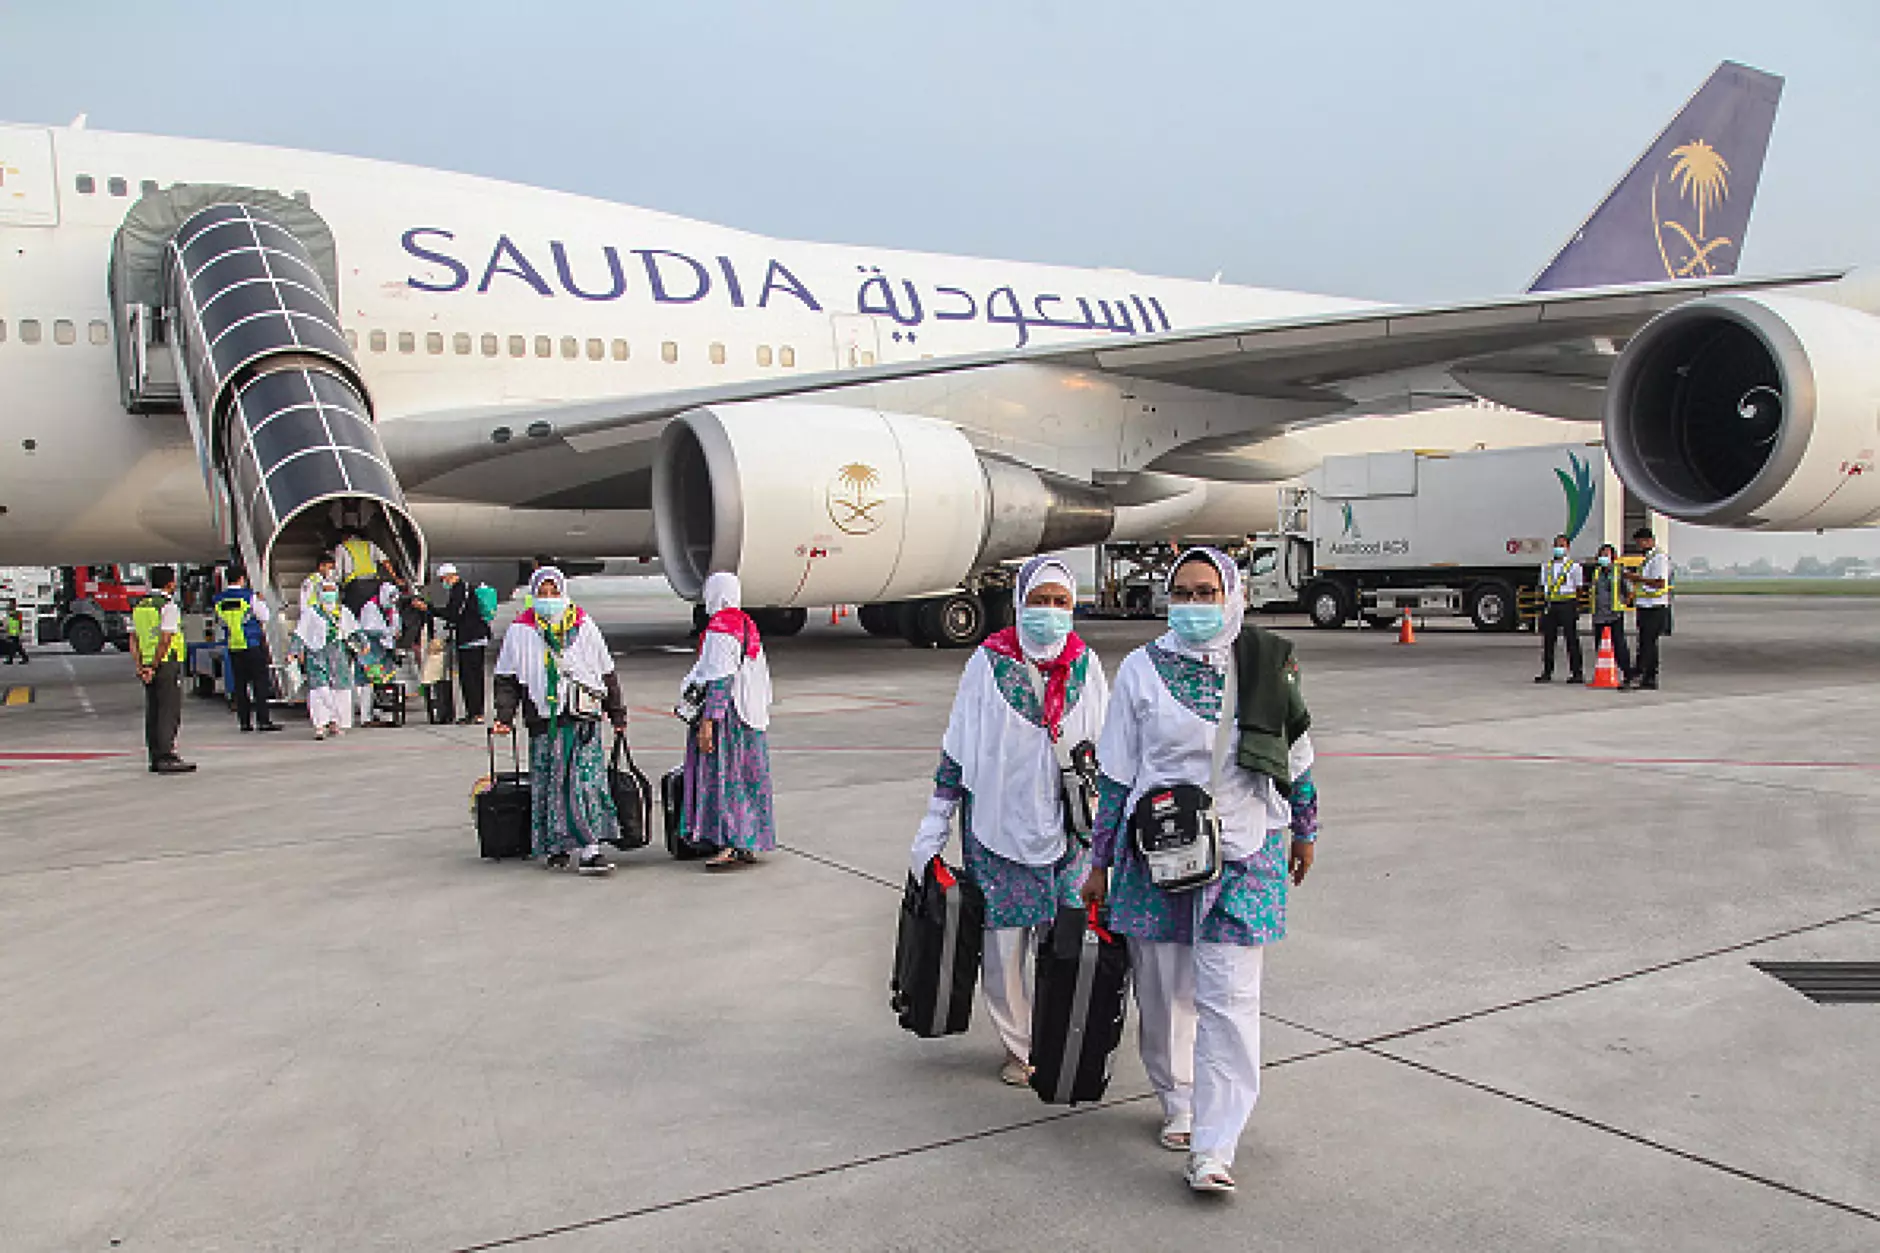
point(1606, 669)
point(835, 614)
point(1406, 634)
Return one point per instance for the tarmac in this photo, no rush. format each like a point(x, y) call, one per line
point(281, 1004)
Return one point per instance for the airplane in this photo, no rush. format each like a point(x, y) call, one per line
point(211, 348)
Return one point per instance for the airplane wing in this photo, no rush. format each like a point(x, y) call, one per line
point(1544, 351)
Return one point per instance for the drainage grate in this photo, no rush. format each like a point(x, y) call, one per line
point(1829, 983)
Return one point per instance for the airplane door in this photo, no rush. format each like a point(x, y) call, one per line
point(28, 182)
point(857, 341)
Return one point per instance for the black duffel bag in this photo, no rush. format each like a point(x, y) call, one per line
point(633, 798)
point(937, 952)
point(1078, 1009)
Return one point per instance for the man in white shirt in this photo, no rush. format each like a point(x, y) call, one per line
point(1652, 594)
point(1560, 586)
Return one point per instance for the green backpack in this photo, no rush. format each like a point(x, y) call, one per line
point(486, 602)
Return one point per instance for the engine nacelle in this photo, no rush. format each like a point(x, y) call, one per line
point(1751, 411)
point(819, 504)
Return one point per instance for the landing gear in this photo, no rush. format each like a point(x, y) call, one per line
point(878, 620)
point(958, 620)
point(780, 623)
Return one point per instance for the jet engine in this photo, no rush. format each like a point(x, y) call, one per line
point(1751, 411)
point(819, 504)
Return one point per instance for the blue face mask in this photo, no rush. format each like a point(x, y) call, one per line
point(1043, 628)
point(1559, 551)
point(1604, 560)
point(550, 608)
point(1195, 625)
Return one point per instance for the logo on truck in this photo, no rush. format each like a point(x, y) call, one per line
point(1351, 522)
point(1579, 488)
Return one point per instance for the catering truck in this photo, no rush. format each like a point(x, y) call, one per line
point(1379, 535)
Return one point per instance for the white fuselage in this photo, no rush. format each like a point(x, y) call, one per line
point(466, 293)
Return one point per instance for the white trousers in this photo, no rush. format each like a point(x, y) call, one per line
point(1006, 972)
point(1199, 1010)
point(362, 701)
point(329, 705)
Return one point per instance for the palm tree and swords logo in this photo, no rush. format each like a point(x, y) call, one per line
point(855, 499)
point(1700, 178)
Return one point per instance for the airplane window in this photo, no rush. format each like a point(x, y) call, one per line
point(86, 184)
point(119, 187)
point(63, 332)
point(570, 347)
point(29, 330)
point(544, 346)
point(518, 346)
point(489, 344)
point(434, 342)
point(460, 343)
point(718, 354)
point(620, 350)
point(763, 354)
point(786, 357)
point(596, 350)
point(148, 186)
point(669, 352)
point(407, 342)
point(352, 340)
point(100, 333)
point(377, 340)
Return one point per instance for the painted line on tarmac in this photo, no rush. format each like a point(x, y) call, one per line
point(16, 696)
point(1571, 759)
point(37, 755)
point(78, 689)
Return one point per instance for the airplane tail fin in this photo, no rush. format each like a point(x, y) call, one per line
point(1682, 210)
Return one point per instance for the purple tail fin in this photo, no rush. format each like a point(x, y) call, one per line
point(1683, 209)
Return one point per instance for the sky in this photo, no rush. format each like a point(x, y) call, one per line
point(1378, 149)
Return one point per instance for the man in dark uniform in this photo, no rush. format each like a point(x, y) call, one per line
point(243, 615)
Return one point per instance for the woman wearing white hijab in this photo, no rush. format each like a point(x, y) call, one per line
point(727, 758)
point(1026, 689)
point(324, 642)
point(1197, 955)
point(378, 624)
point(556, 671)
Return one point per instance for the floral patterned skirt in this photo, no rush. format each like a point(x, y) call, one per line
point(1018, 895)
point(727, 791)
point(571, 807)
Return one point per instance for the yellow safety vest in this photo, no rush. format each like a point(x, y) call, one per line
point(1557, 573)
point(234, 614)
point(362, 563)
point(1611, 575)
point(146, 620)
point(15, 622)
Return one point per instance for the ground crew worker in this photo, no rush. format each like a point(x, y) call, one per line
point(243, 614)
point(1610, 603)
point(1652, 594)
point(14, 630)
point(361, 571)
point(157, 648)
point(1560, 584)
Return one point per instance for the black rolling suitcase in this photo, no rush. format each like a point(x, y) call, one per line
point(937, 952)
point(502, 808)
point(633, 797)
point(1078, 1008)
point(440, 703)
point(672, 808)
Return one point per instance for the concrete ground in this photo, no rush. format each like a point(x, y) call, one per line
point(280, 1004)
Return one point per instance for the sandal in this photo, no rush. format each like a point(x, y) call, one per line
point(1207, 1174)
point(1175, 1137)
point(723, 859)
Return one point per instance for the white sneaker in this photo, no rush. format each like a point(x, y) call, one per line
point(1207, 1174)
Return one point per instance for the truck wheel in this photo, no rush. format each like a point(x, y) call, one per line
point(877, 620)
point(85, 636)
point(955, 621)
point(1492, 607)
point(1329, 606)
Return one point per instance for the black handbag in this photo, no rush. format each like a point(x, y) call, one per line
point(938, 946)
point(633, 798)
point(1078, 1009)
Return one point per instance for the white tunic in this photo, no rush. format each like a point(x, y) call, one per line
point(584, 659)
point(1007, 762)
point(1152, 740)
